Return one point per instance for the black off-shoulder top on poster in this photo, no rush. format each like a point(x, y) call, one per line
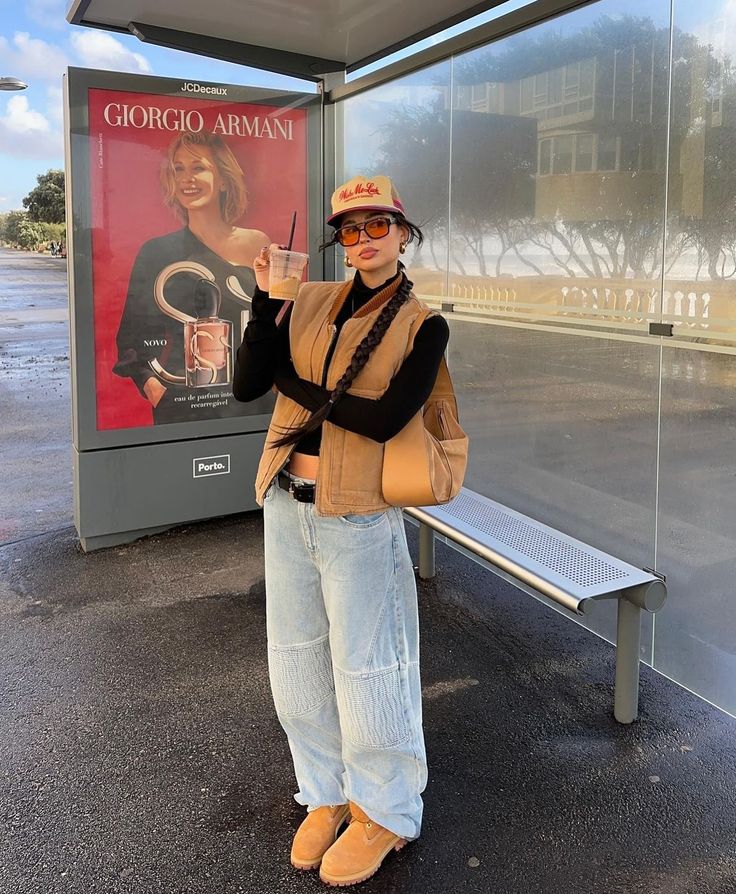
point(146, 333)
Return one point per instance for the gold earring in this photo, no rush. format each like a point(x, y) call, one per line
point(402, 248)
point(346, 260)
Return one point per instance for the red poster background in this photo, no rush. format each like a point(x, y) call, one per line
point(128, 210)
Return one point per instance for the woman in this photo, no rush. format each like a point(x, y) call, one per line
point(351, 368)
point(204, 185)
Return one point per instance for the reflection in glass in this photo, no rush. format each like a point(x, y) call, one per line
point(587, 244)
point(403, 130)
point(539, 166)
point(695, 639)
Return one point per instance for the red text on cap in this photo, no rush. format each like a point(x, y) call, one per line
point(359, 191)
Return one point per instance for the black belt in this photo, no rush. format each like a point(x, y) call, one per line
point(302, 493)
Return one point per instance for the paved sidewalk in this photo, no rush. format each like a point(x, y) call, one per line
point(140, 752)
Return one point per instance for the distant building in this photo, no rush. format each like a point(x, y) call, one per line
point(600, 154)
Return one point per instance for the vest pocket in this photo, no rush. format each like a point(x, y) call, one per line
point(356, 467)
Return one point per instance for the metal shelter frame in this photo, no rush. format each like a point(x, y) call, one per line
point(314, 67)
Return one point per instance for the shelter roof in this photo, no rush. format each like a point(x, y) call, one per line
point(302, 38)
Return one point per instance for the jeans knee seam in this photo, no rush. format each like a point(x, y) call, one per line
point(309, 710)
point(368, 672)
point(293, 647)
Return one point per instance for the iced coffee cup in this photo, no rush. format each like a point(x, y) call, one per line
point(285, 273)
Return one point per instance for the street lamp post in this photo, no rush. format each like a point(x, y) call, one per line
point(12, 84)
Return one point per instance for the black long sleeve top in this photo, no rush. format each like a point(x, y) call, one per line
point(263, 360)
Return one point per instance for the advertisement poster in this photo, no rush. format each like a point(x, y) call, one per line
point(185, 190)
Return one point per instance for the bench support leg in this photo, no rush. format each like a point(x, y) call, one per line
point(426, 551)
point(628, 640)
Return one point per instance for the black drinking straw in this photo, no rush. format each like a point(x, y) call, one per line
point(282, 313)
point(291, 234)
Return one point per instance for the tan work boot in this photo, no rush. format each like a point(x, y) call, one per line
point(359, 851)
point(316, 833)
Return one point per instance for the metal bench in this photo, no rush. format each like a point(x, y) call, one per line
point(566, 570)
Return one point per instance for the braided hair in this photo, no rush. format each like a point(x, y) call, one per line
point(359, 360)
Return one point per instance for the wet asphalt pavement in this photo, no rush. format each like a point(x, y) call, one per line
point(35, 409)
point(139, 751)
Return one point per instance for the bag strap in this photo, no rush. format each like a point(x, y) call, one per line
point(443, 388)
point(417, 322)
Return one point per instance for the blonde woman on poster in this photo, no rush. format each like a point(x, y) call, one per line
point(188, 289)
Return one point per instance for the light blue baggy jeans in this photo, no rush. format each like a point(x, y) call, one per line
point(343, 655)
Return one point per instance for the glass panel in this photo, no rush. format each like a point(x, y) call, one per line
point(402, 129)
point(696, 634)
point(553, 278)
point(563, 429)
point(549, 269)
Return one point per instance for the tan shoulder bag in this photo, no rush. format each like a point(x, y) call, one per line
point(424, 464)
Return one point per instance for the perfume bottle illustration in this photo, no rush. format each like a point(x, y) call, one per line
point(208, 345)
point(207, 339)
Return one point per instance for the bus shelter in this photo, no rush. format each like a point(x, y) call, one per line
point(571, 164)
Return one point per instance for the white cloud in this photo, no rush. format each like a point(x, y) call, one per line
point(21, 118)
point(26, 133)
point(96, 49)
point(32, 59)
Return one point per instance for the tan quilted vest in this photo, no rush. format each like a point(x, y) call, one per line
point(349, 479)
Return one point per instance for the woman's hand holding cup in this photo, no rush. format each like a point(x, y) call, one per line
point(279, 271)
point(262, 264)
